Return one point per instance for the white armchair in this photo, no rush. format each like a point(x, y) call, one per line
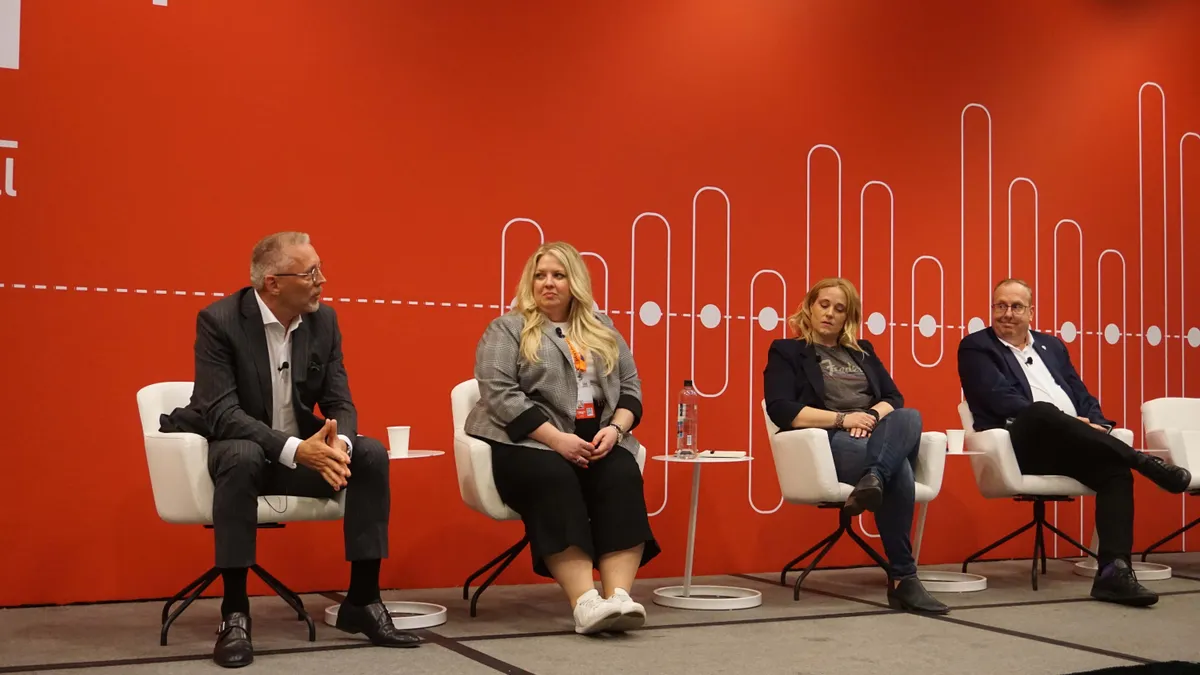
point(183, 494)
point(473, 461)
point(804, 466)
point(999, 476)
point(1173, 424)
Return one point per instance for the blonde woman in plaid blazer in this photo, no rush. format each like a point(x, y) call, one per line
point(559, 394)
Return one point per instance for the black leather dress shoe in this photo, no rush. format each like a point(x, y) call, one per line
point(374, 621)
point(910, 596)
point(1173, 479)
point(234, 649)
point(1117, 583)
point(867, 495)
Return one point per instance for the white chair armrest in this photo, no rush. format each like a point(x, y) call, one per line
point(804, 466)
point(476, 485)
point(1123, 435)
point(931, 461)
point(996, 471)
point(178, 463)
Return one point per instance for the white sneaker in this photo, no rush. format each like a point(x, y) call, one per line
point(594, 614)
point(633, 614)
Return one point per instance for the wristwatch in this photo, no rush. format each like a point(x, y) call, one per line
point(620, 431)
point(873, 413)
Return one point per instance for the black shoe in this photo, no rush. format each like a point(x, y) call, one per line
point(234, 649)
point(1173, 479)
point(867, 495)
point(910, 596)
point(1117, 583)
point(374, 621)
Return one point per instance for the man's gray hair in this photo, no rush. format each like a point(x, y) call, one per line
point(1020, 282)
point(269, 257)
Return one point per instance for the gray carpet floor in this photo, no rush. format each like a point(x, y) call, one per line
point(840, 624)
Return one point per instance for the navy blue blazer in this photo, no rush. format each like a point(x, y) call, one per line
point(792, 380)
point(995, 386)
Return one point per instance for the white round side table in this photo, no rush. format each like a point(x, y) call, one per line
point(938, 581)
point(689, 596)
point(405, 615)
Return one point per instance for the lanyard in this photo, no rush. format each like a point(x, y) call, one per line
point(580, 362)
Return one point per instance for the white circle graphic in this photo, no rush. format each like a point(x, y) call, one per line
point(650, 313)
point(1068, 332)
point(927, 325)
point(876, 323)
point(710, 316)
point(1193, 337)
point(1154, 336)
point(768, 318)
point(1112, 333)
point(975, 325)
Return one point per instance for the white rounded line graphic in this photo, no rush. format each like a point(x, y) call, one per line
point(504, 254)
point(862, 281)
point(668, 425)
point(750, 424)
point(1021, 179)
point(962, 212)
point(808, 212)
point(724, 308)
point(941, 313)
point(1141, 230)
point(597, 256)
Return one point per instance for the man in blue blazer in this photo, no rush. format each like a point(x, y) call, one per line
point(1024, 381)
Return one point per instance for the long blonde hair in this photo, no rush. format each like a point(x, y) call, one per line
point(587, 333)
point(801, 321)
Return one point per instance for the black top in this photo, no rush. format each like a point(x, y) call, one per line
point(793, 380)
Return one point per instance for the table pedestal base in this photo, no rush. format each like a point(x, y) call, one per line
point(707, 597)
point(1142, 570)
point(936, 581)
point(405, 615)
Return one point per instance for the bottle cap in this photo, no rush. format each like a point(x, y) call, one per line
point(687, 383)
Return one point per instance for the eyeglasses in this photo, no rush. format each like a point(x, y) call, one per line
point(313, 274)
point(1017, 309)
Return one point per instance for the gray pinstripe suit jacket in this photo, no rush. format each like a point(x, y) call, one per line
point(516, 396)
point(231, 398)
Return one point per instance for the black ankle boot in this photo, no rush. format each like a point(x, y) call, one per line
point(867, 495)
point(910, 596)
point(1173, 479)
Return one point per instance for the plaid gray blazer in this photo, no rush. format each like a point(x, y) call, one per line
point(516, 397)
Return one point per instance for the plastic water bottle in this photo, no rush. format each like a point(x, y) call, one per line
point(688, 421)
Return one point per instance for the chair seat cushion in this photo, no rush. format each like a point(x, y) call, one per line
point(286, 509)
point(1052, 485)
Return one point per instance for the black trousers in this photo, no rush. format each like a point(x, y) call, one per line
point(241, 473)
point(601, 508)
point(1048, 441)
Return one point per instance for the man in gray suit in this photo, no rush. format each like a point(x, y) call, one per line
point(265, 356)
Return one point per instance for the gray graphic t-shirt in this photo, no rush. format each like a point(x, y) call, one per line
point(846, 386)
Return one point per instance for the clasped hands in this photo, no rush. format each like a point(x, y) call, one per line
point(859, 424)
point(579, 452)
point(326, 454)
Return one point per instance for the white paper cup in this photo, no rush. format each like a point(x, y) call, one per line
point(398, 441)
point(954, 440)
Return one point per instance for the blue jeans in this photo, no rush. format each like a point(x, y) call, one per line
point(890, 452)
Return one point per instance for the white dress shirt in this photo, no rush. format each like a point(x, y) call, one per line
point(1041, 382)
point(279, 349)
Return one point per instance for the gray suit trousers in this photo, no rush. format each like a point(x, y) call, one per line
point(241, 473)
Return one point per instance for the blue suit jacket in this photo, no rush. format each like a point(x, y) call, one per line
point(996, 388)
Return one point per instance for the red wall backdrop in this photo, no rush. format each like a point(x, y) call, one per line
point(146, 147)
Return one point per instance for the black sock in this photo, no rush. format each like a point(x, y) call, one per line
point(364, 582)
point(236, 599)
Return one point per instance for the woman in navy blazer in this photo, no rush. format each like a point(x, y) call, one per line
point(827, 378)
